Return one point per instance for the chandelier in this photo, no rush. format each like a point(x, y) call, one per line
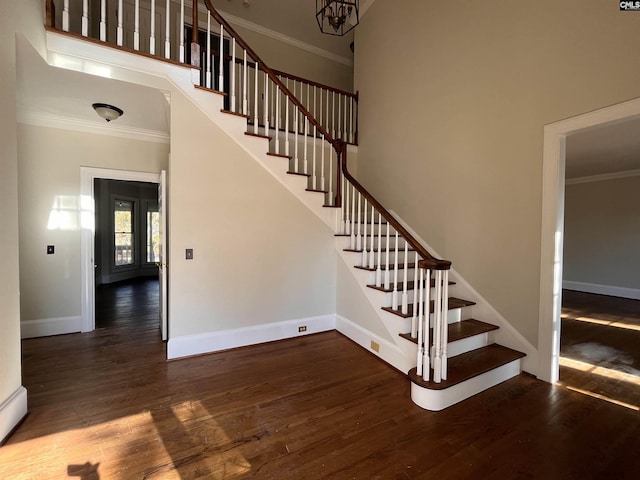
point(337, 17)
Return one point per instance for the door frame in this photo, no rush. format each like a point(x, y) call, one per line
point(552, 228)
point(87, 261)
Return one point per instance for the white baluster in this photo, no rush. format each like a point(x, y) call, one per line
point(120, 29)
point(350, 128)
point(266, 104)
point(103, 20)
point(245, 99)
point(331, 196)
point(425, 308)
point(286, 123)
point(379, 262)
point(394, 295)
point(414, 318)
point(306, 137)
point(333, 114)
point(339, 134)
point(136, 26)
point(255, 101)
point(85, 18)
point(322, 184)
point(387, 277)
point(405, 297)
point(152, 29)
point(221, 61)
point(314, 172)
point(326, 117)
point(445, 330)
point(296, 137)
point(233, 76)
point(207, 82)
point(372, 250)
point(183, 43)
point(344, 123)
point(167, 32)
point(437, 329)
point(364, 237)
point(353, 218)
point(421, 326)
point(359, 235)
point(345, 205)
point(277, 138)
point(65, 16)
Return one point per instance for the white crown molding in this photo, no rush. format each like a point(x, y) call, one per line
point(41, 119)
point(241, 22)
point(602, 177)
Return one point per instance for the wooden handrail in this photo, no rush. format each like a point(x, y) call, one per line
point(50, 14)
point(274, 78)
point(429, 261)
point(315, 84)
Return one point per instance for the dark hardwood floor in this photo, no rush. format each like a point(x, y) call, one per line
point(132, 302)
point(107, 405)
point(600, 346)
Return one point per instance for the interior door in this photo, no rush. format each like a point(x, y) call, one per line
point(162, 265)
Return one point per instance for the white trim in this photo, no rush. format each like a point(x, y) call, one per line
point(209, 342)
point(87, 275)
point(41, 119)
point(552, 228)
point(389, 352)
point(12, 411)
point(602, 177)
point(623, 292)
point(506, 335)
point(241, 22)
point(46, 327)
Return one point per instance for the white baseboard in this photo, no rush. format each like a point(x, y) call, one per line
point(387, 351)
point(12, 411)
point(188, 345)
point(50, 326)
point(622, 292)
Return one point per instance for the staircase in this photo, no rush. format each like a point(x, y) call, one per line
point(449, 354)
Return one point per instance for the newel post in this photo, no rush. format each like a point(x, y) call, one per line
point(50, 14)
point(195, 46)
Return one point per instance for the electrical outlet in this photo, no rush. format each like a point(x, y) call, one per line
point(51, 249)
point(302, 329)
point(189, 253)
point(375, 346)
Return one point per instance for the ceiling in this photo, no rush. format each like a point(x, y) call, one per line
point(607, 149)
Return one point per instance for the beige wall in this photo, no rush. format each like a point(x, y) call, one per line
point(294, 60)
point(49, 189)
point(260, 256)
point(453, 100)
point(10, 372)
point(602, 233)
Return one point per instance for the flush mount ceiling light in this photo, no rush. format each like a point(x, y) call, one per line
point(106, 111)
point(337, 17)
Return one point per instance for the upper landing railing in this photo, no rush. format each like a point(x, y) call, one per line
point(308, 124)
point(163, 28)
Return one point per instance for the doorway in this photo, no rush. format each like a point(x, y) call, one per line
point(126, 253)
point(552, 238)
point(87, 247)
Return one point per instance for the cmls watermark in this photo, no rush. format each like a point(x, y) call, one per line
point(630, 6)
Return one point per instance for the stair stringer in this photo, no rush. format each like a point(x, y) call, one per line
point(506, 335)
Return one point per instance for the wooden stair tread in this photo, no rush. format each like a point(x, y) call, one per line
point(298, 173)
point(229, 112)
point(410, 286)
point(279, 155)
point(453, 303)
point(212, 90)
point(459, 330)
point(251, 134)
point(468, 365)
point(315, 190)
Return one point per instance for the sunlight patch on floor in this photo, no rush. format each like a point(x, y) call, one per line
point(604, 322)
point(603, 371)
point(600, 397)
